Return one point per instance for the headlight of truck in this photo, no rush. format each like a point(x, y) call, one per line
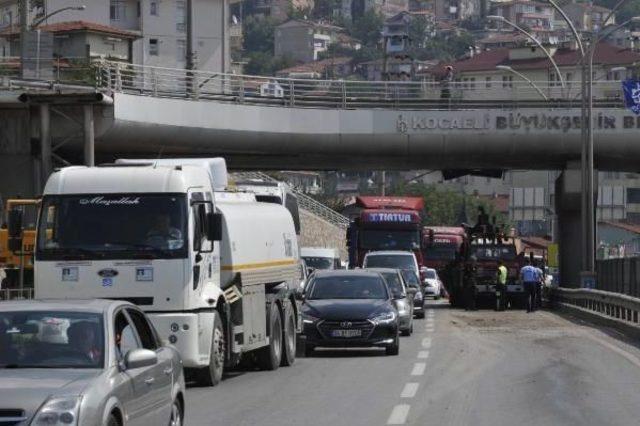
point(384, 318)
point(309, 319)
point(62, 411)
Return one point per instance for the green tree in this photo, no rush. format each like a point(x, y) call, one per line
point(258, 34)
point(367, 29)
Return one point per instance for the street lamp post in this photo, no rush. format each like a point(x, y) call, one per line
point(37, 23)
point(535, 40)
point(524, 77)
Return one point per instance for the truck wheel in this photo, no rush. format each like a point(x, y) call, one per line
point(212, 375)
point(269, 357)
point(289, 338)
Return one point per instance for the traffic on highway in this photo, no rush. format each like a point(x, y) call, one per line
point(165, 292)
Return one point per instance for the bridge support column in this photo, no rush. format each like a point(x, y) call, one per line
point(569, 221)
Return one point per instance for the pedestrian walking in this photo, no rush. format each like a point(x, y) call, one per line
point(501, 287)
point(445, 93)
point(540, 284)
point(529, 279)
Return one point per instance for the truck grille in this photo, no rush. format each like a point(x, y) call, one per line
point(11, 416)
point(326, 327)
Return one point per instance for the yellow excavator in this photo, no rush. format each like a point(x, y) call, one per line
point(17, 262)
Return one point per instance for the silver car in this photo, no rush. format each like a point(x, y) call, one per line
point(402, 297)
point(86, 362)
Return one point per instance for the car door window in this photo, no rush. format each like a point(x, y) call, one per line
point(147, 336)
point(125, 335)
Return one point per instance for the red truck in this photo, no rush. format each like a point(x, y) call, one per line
point(386, 223)
point(444, 249)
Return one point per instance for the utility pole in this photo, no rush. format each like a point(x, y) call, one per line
point(24, 29)
point(190, 61)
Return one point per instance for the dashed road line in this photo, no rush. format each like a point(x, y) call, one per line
point(418, 369)
point(423, 354)
point(426, 342)
point(399, 414)
point(410, 390)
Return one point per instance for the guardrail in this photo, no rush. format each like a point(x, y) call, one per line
point(619, 275)
point(304, 201)
point(288, 92)
point(16, 294)
point(613, 305)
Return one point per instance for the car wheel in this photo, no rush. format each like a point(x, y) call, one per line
point(269, 357)
point(176, 414)
point(289, 338)
point(113, 420)
point(212, 375)
point(393, 349)
point(308, 350)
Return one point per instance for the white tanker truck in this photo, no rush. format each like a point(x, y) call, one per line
point(215, 270)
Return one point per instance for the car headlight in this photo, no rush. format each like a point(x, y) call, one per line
point(384, 318)
point(62, 411)
point(309, 319)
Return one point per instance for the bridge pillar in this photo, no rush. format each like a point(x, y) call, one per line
point(569, 234)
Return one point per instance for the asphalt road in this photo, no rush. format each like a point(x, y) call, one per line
point(458, 368)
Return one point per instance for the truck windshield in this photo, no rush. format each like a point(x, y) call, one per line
point(378, 239)
point(440, 252)
point(317, 262)
point(394, 261)
point(113, 226)
point(494, 252)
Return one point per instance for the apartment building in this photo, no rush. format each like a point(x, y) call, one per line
point(303, 40)
point(588, 16)
point(159, 26)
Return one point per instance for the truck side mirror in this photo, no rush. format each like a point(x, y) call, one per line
point(214, 226)
point(14, 230)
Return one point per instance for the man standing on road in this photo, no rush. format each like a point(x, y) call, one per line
point(501, 287)
point(529, 278)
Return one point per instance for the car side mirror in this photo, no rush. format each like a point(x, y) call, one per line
point(14, 230)
point(214, 226)
point(299, 294)
point(139, 358)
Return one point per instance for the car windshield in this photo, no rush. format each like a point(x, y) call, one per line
point(112, 226)
point(348, 287)
point(394, 283)
point(393, 261)
point(51, 339)
point(378, 239)
point(410, 277)
point(494, 252)
point(317, 262)
point(430, 274)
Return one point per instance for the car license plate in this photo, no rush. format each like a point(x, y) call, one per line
point(346, 333)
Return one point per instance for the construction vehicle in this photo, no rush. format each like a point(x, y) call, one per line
point(216, 270)
point(444, 249)
point(17, 260)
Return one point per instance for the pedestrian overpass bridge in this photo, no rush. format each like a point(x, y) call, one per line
point(268, 123)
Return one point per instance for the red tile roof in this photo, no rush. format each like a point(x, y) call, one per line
point(487, 61)
point(71, 26)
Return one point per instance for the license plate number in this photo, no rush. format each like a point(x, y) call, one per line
point(346, 333)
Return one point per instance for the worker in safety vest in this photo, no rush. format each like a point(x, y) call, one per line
point(501, 287)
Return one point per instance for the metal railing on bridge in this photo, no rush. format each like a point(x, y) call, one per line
point(261, 90)
point(16, 294)
point(304, 201)
point(604, 303)
point(619, 276)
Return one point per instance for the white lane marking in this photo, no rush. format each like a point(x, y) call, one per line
point(410, 390)
point(418, 369)
point(430, 329)
point(423, 354)
point(399, 414)
point(426, 342)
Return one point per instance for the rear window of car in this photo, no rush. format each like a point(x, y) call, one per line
point(394, 283)
point(395, 261)
point(348, 287)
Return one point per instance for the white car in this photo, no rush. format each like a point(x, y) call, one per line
point(394, 259)
point(432, 284)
